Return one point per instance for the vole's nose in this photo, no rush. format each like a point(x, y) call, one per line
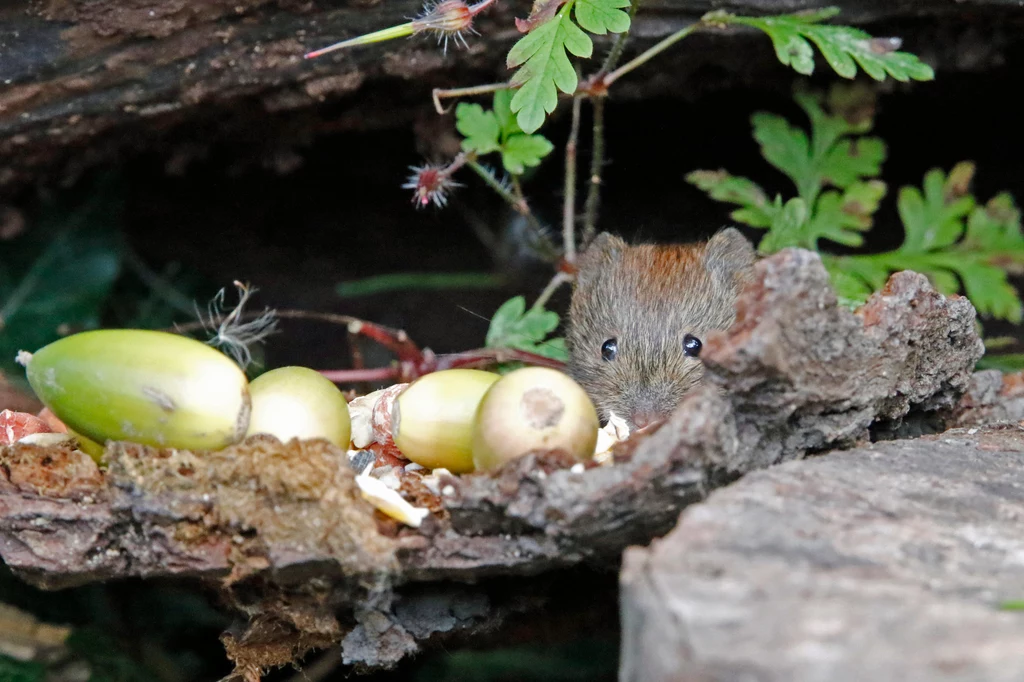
point(644, 418)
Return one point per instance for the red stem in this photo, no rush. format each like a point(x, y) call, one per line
point(355, 376)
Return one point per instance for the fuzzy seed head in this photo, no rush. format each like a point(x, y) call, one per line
point(449, 19)
point(430, 184)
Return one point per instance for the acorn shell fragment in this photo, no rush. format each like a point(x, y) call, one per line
point(149, 387)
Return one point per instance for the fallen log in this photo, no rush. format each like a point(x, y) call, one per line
point(282, 532)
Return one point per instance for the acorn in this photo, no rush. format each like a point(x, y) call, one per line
point(533, 408)
point(298, 402)
point(149, 387)
point(432, 419)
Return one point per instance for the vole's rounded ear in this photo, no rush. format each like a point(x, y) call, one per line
point(729, 256)
point(605, 250)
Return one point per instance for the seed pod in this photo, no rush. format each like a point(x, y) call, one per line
point(149, 387)
point(298, 402)
point(534, 408)
point(432, 420)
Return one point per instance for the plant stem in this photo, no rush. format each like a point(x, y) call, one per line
point(418, 281)
point(158, 284)
point(519, 205)
point(593, 201)
point(360, 376)
point(558, 280)
point(647, 55)
point(612, 59)
point(442, 93)
point(569, 206)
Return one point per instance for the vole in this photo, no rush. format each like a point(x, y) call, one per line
point(638, 316)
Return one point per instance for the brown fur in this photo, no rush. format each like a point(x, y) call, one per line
point(648, 297)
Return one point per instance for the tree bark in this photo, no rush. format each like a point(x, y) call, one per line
point(282, 531)
point(83, 82)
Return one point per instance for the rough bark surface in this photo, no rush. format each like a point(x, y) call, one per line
point(884, 563)
point(83, 81)
point(991, 399)
point(284, 533)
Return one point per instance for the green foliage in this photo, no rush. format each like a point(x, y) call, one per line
point(513, 326)
point(835, 153)
point(1012, 605)
point(544, 67)
point(953, 241)
point(958, 244)
point(418, 281)
point(72, 270)
point(844, 48)
point(12, 670)
point(1005, 362)
point(498, 131)
point(542, 55)
point(57, 276)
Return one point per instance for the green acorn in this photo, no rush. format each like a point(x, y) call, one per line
point(298, 402)
point(148, 387)
point(432, 419)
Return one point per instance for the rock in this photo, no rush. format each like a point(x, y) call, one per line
point(884, 563)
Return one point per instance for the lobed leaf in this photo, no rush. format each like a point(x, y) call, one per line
point(843, 217)
point(755, 210)
point(513, 326)
point(498, 131)
point(602, 16)
point(934, 219)
point(521, 151)
point(480, 128)
point(787, 228)
point(843, 47)
point(545, 68)
point(783, 145)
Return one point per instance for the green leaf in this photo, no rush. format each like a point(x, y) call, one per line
point(829, 156)
point(755, 209)
point(503, 112)
point(498, 131)
point(934, 219)
point(843, 217)
point(13, 670)
point(480, 128)
point(996, 226)
point(787, 228)
point(513, 326)
point(545, 67)
point(784, 146)
point(524, 150)
point(61, 281)
point(1007, 363)
point(602, 16)
point(844, 48)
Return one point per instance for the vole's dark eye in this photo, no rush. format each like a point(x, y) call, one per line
point(691, 345)
point(609, 349)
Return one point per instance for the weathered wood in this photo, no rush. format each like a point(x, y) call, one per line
point(85, 81)
point(885, 563)
point(283, 532)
